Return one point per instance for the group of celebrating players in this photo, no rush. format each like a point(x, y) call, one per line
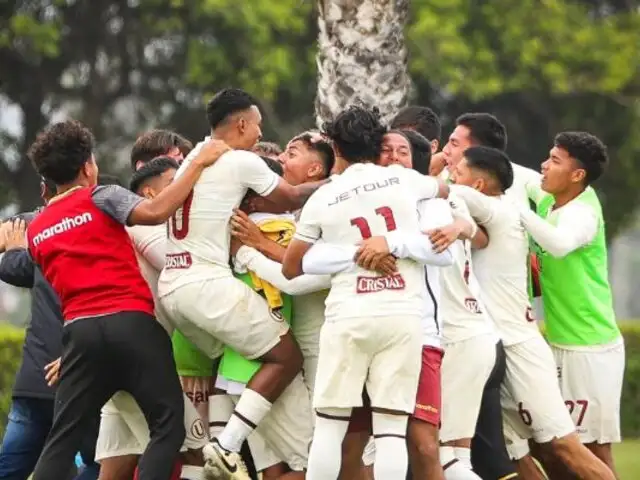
point(357, 306)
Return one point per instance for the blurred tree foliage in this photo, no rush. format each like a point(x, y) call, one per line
point(123, 66)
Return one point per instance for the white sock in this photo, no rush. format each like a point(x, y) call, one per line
point(252, 407)
point(325, 456)
point(447, 455)
point(464, 455)
point(220, 410)
point(191, 472)
point(389, 433)
point(455, 470)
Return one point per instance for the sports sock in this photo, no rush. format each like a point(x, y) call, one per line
point(389, 433)
point(191, 472)
point(250, 410)
point(325, 456)
point(464, 455)
point(220, 410)
point(454, 469)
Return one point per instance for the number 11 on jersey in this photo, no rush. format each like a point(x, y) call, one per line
point(363, 225)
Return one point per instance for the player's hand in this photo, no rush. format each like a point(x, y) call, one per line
point(387, 266)
point(441, 238)
point(52, 372)
point(15, 234)
point(244, 230)
point(234, 246)
point(211, 151)
point(437, 164)
point(371, 252)
point(3, 235)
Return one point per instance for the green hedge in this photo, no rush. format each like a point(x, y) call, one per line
point(11, 354)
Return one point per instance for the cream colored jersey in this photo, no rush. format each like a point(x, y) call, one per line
point(501, 267)
point(199, 232)
point(150, 245)
point(463, 314)
point(522, 176)
point(368, 200)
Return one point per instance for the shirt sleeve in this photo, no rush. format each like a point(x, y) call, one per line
point(309, 227)
point(576, 227)
point(255, 173)
point(115, 201)
point(459, 210)
point(416, 245)
point(481, 207)
point(17, 268)
point(271, 271)
point(151, 243)
point(423, 186)
point(328, 259)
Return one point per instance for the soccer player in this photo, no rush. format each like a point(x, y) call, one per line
point(482, 177)
point(580, 321)
point(355, 350)
point(80, 232)
point(197, 273)
point(124, 433)
point(156, 143)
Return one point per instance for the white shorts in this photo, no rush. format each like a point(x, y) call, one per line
point(285, 433)
point(385, 353)
point(466, 367)
point(532, 404)
point(225, 311)
point(309, 317)
point(591, 384)
point(124, 430)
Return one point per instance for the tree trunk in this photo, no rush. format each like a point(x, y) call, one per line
point(362, 57)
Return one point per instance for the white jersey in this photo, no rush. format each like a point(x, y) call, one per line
point(501, 267)
point(522, 176)
point(199, 232)
point(150, 245)
point(369, 200)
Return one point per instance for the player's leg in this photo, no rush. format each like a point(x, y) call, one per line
point(86, 383)
point(591, 385)
point(309, 317)
point(355, 442)
point(148, 373)
point(532, 379)
point(423, 432)
point(392, 384)
point(489, 456)
point(342, 370)
point(463, 384)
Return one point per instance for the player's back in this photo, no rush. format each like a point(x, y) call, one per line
point(501, 270)
point(368, 200)
point(199, 232)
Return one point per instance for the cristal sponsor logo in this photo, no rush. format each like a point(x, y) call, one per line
point(64, 225)
point(178, 260)
point(472, 305)
point(377, 284)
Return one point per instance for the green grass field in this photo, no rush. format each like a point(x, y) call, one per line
point(627, 457)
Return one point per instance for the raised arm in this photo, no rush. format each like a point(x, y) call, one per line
point(481, 207)
point(271, 271)
point(576, 227)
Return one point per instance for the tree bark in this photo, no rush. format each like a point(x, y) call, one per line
point(362, 57)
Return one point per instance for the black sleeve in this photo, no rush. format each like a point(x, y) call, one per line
point(17, 268)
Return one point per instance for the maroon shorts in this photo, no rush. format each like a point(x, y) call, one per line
point(429, 396)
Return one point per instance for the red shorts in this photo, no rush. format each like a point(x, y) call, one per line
point(429, 396)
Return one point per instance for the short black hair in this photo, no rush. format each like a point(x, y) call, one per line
point(267, 148)
point(227, 102)
point(60, 151)
point(421, 119)
point(156, 143)
point(420, 151)
point(492, 161)
point(150, 170)
point(484, 129)
point(357, 132)
point(587, 149)
point(106, 179)
point(321, 147)
point(274, 165)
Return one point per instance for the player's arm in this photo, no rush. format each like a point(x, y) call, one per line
point(577, 226)
point(152, 245)
point(462, 228)
point(16, 265)
point(423, 187)
point(329, 259)
point(308, 232)
point(158, 210)
point(247, 232)
point(481, 207)
point(293, 197)
point(271, 271)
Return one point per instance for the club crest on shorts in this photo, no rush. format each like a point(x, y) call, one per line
point(277, 315)
point(197, 429)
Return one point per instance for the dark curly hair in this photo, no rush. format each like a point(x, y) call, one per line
point(587, 149)
point(156, 143)
point(357, 133)
point(60, 151)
